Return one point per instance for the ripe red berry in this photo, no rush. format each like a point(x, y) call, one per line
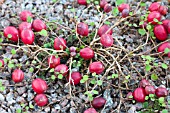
point(17, 75)
point(82, 29)
point(168, 29)
point(24, 25)
point(11, 33)
point(123, 6)
point(96, 67)
point(82, 2)
point(163, 10)
point(161, 92)
point(27, 36)
point(163, 46)
point(24, 15)
point(102, 30)
point(53, 61)
point(90, 110)
point(106, 40)
point(38, 25)
point(143, 83)
point(107, 8)
point(139, 95)
point(125, 13)
point(1, 63)
point(152, 16)
point(75, 78)
point(149, 90)
point(41, 100)
point(98, 102)
point(165, 23)
point(62, 68)
point(154, 7)
point(129, 96)
point(59, 44)
point(39, 85)
point(87, 53)
point(160, 32)
point(103, 3)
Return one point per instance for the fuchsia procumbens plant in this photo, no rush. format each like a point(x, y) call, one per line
point(53, 61)
point(11, 33)
point(75, 78)
point(123, 6)
point(87, 53)
point(139, 94)
point(39, 85)
point(25, 14)
point(38, 25)
point(62, 69)
point(103, 29)
point(106, 40)
point(160, 32)
point(96, 67)
point(17, 75)
point(82, 2)
point(60, 44)
point(24, 25)
point(41, 100)
point(82, 29)
point(152, 16)
point(90, 110)
point(161, 92)
point(98, 102)
point(27, 36)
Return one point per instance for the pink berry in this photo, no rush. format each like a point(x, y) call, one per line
point(24, 25)
point(103, 3)
point(106, 40)
point(163, 10)
point(82, 2)
point(25, 14)
point(53, 61)
point(123, 6)
point(154, 15)
point(38, 25)
point(59, 44)
point(87, 53)
point(125, 13)
point(41, 100)
point(17, 75)
point(154, 7)
point(161, 92)
point(102, 30)
point(98, 102)
point(96, 67)
point(62, 69)
point(160, 32)
point(75, 78)
point(82, 29)
point(27, 36)
point(39, 85)
point(139, 95)
point(11, 33)
point(107, 8)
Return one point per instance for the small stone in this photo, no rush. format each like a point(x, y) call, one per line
point(132, 110)
point(107, 96)
point(64, 103)
point(21, 90)
point(10, 98)
point(2, 98)
point(57, 106)
point(72, 110)
point(47, 109)
point(5, 23)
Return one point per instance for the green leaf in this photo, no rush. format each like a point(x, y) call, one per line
point(155, 20)
point(115, 75)
point(13, 51)
point(51, 70)
point(154, 77)
point(96, 2)
point(2, 88)
point(107, 22)
point(53, 77)
point(146, 97)
point(0, 64)
point(95, 92)
point(141, 23)
point(148, 67)
point(43, 32)
point(85, 77)
point(31, 69)
point(151, 95)
point(1, 40)
point(165, 111)
point(142, 4)
point(118, 2)
point(82, 81)
point(167, 50)
point(93, 81)
point(88, 1)
point(99, 82)
point(148, 27)
point(161, 100)
point(31, 106)
point(164, 66)
point(11, 65)
point(18, 110)
point(130, 13)
point(142, 31)
point(92, 23)
point(60, 76)
point(29, 19)
point(145, 104)
point(9, 36)
point(115, 11)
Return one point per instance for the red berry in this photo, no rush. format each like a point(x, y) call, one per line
point(169, 55)
point(107, 8)
point(102, 30)
point(24, 25)
point(1, 63)
point(17, 75)
point(168, 29)
point(161, 92)
point(163, 10)
point(24, 15)
point(90, 110)
point(62, 68)
point(125, 13)
point(96, 67)
point(103, 3)
point(82, 2)
point(87, 53)
point(75, 78)
point(38, 25)
point(154, 7)
point(59, 44)
point(53, 61)
point(39, 85)
point(129, 96)
point(143, 83)
point(72, 49)
point(98, 102)
point(139, 94)
point(27, 36)
point(165, 23)
point(106, 40)
point(154, 15)
point(121, 7)
point(160, 32)
point(149, 90)
point(82, 29)
point(41, 100)
point(12, 32)
point(163, 46)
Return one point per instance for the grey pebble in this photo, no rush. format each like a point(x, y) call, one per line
point(2, 98)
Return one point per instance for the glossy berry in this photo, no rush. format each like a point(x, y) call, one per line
point(62, 68)
point(125, 13)
point(107, 8)
point(152, 16)
point(24, 25)
point(53, 61)
point(103, 3)
point(90, 110)
point(17, 75)
point(25, 14)
point(82, 2)
point(98, 102)
point(143, 83)
point(123, 6)
point(163, 46)
point(72, 49)
point(160, 32)
point(154, 7)
point(96, 67)
point(75, 78)
point(106, 40)
point(102, 30)
point(168, 29)
point(60, 44)
point(11, 33)
point(163, 10)
point(129, 96)
point(38, 25)
point(161, 92)
point(149, 90)
point(41, 100)
point(82, 29)
point(39, 85)
point(165, 23)
point(139, 95)
point(87, 53)
point(27, 36)
point(1, 63)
